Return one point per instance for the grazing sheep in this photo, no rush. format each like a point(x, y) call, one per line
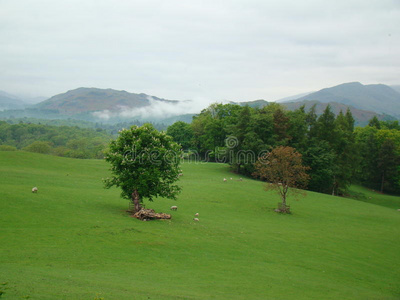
point(174, 207)
point(240, 179)
point(34, 190)
point(196, 219)
point(231, 178)
point(196, 214)
point(224, 179)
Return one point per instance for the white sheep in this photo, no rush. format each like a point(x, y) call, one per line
point(174, 207)
point(196, 214)
point(224, 179)
point(34, 190)
point(196, 219)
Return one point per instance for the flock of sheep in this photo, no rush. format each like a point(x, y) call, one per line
point(225, 180)
point(174, 207)
point(196, 219)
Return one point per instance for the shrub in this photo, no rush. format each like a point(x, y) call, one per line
point(39, 147)
point(7, 148)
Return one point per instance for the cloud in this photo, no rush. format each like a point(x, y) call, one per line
point(156, 110)
point(236, 50)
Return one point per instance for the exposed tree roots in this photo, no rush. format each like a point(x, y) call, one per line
point(149, 214)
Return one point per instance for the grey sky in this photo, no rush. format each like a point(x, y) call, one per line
point(201, 50)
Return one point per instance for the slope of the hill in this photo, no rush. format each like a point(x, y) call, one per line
point(378, 98)
point(8, 101)
point(361, 117)
point(74, 240)
point(396, 88)
point(367, 195)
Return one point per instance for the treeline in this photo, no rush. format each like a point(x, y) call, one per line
point(112, 128)
point(57, 140)
point(337, 153)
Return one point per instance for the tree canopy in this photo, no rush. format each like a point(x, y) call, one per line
point(282, 168)
point(144, 164)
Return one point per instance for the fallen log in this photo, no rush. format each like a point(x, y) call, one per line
point(149, 214)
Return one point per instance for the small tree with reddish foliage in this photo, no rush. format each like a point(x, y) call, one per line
point(283, 170)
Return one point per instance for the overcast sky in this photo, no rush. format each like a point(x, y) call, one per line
point(201, 50)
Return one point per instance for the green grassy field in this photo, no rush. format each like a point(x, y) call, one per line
point(367, 195)
point(74, 240)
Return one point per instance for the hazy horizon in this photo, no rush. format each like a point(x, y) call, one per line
point(202, 51)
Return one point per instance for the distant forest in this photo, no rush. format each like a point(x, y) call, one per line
point(337, 153)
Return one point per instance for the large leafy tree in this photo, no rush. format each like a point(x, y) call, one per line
point(326, 127)
point(182, 133)
point(284, 171)
point(388, 161)
point(346, 154)
point(298, 128)
point(368, 148)
point(321, 160)
point(144, 164)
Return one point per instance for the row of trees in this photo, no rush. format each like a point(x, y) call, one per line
point(336, 153)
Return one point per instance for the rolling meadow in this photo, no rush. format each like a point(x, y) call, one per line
point(75, 240)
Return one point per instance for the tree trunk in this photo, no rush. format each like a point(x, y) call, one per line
point(383, 181)
point(136, 201)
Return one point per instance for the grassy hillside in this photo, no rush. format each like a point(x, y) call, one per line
point(74, 240)
point(371, 196)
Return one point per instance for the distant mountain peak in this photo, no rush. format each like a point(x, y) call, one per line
point(86, 100)
point(378, 98)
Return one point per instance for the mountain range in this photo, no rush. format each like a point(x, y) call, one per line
point(8, 101)
point(108, 105)
point(378, 98)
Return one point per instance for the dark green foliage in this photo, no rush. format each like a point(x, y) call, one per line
point(58, 140)
point(374, 122)
point(390, 124)
point(7, 148)
point(325, 126)
point(388, 166)
point(144, 161)
point(298, 128)
point(346, 156)
point(321, 160)
point(182, 133)
point(212, 126)
point(281, 126)
point(39, 147)
point(337, 153)
point(379, 151)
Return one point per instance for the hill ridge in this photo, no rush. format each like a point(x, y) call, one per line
point(378, 98)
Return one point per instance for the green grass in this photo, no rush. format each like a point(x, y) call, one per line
point(74, 240)
point(367, 195)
